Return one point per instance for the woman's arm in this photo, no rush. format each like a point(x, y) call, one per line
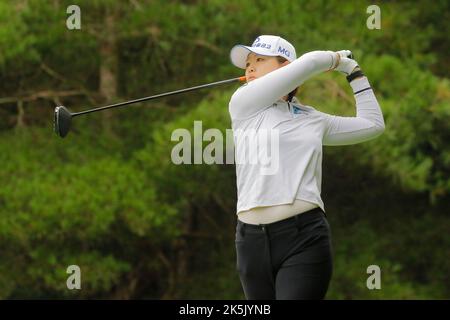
point(368, 123)
point(261, 93)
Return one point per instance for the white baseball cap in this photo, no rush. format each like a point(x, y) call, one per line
point(265, 45)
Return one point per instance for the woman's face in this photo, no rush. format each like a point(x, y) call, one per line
point(258, 65)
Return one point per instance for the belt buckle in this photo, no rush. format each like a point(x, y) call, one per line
point(263, 227)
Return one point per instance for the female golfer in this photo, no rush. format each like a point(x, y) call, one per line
point(283, 240)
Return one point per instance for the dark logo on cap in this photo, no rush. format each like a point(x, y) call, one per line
point(256, 41)
point(284, 51)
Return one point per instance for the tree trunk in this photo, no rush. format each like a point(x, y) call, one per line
point(20, 115)
point(108, 69)
point(183, 250)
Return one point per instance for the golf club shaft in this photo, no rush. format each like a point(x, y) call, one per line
point(243, 78)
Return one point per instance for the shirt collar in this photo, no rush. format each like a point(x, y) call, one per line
point(294, 101)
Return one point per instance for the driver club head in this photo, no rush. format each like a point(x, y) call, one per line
point(62, 121)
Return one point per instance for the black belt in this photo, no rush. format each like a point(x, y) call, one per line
point(274, 226)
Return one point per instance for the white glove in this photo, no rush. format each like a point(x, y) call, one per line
point(346, 65)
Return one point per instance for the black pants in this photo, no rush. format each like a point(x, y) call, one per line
point(287, 259)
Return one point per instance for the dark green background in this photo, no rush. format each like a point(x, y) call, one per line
point(109, 199)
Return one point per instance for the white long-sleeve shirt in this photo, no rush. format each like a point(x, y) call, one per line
point(291, 135)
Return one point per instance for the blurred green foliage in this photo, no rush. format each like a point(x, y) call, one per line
point(141, 227)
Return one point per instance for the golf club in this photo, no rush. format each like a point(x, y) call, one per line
point(63, 117)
